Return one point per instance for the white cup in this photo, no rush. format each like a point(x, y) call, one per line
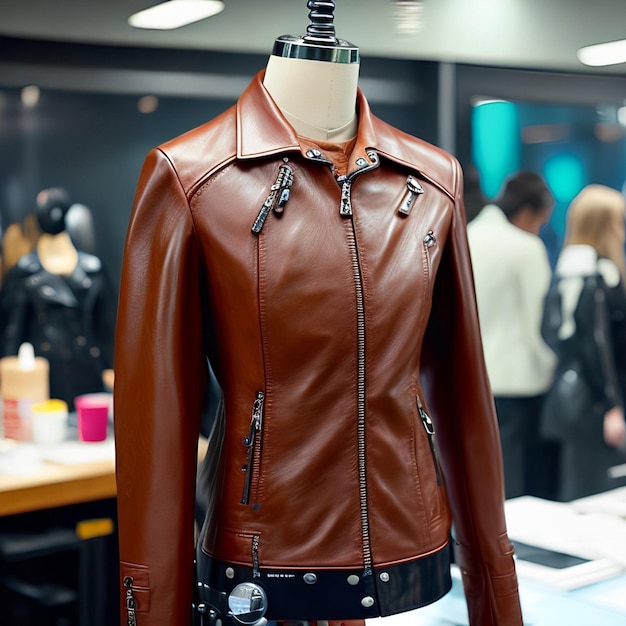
point(49, 420)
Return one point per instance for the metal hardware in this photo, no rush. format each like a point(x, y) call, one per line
point(248, 604)
point(277, 198)
point(320, 43)
point(413, 189)
point(429, 239)
point(131, 605)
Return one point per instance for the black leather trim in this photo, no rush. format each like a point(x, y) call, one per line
point(335, 594)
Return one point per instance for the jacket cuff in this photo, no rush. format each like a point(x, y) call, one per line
point(491, 592)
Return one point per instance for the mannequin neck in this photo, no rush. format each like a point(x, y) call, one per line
point(57, 253)
point(318, 98)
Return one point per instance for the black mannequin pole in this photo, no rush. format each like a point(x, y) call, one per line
point(320, 43)
point(321, 30)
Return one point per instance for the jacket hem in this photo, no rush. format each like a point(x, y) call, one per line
point(330, 594)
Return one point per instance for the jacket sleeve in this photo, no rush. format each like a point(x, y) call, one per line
point(159, 389)
point(461, 402)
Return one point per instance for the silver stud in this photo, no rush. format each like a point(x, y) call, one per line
point(353, 579)
point(384, 577)
point(230, 572)
point(367, 602)
point(310, 578)
point(361, 162)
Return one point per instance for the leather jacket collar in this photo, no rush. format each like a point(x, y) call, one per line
point(263, 131)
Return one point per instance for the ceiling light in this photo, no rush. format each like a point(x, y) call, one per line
point(30, 96)
point(147, 104)
point(408, 15)
point(175, 13)
point(610, 53)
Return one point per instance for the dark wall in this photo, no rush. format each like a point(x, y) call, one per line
point(93, 145)
point(90, 138)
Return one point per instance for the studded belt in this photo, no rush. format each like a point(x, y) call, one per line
point(322, 594)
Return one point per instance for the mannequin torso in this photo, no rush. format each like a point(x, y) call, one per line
point(57, 253)
point(316, 97)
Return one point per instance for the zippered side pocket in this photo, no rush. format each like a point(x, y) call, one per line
point(429, 427)
point(252, 443)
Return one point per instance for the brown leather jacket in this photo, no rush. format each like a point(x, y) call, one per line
point(338, 314)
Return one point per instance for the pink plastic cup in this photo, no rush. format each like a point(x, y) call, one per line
point(92, 410)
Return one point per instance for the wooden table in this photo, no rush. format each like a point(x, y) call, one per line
point(55, 484)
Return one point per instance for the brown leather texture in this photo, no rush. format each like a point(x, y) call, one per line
point(351, 327)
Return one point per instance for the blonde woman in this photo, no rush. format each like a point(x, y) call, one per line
point(585, 324)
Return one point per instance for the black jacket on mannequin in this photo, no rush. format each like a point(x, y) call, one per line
point(69, 319)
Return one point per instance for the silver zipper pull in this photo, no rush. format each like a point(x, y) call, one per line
point(256, 572)
point(249, 442)
point(277, 197)
point(430, 239)
point(285, 180)
point(255, 420)
point(345, 208)
point(413, 189)
point(131, 606)
point(429, 427)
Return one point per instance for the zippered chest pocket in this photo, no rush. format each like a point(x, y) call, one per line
point(252, 446)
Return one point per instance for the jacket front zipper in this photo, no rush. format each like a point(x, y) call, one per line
point(429, 427)
point(360, 309)
point(345, 210)
point(345, 206)
point(253, 444)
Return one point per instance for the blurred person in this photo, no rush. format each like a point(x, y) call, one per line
point(584, 323)
point(474, 198)
point(512, 275)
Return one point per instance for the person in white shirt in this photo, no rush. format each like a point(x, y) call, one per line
point(512, 275)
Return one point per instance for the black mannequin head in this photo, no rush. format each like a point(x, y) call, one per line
point(52, 205)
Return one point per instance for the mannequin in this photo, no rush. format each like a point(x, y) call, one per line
point(317, 258)
point(302, 73)
point(59, 299)
point(54, 246)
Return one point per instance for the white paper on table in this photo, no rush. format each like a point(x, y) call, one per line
point(609, 502)
point(560, 527)
point(78, 452)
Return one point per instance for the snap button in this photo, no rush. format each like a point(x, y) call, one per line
point(353, 579)
point(310, 578)
point(367, 602)
point(230, 572)
point(384, 576)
